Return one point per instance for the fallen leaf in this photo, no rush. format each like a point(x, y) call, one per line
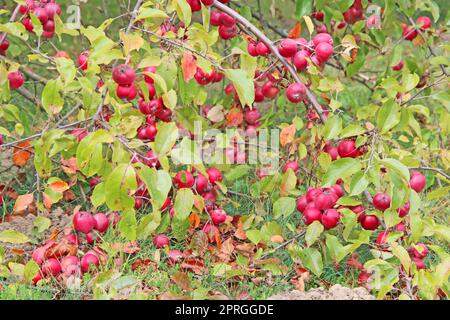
point(59, 186)
point(181, 279)
point(234, 118)
point(23, 202)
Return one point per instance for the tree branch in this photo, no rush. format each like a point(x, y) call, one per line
point(261, 36)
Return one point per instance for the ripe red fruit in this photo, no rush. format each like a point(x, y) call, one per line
point(83, 60)
point(338, 190)
point(123, 75)
point(251, 48)
point(94, 181)
point(51, 267)
point(201, 184)
point(398, 66)
point(322, 38)
point(269, 90)
point(400, 227)
point(83, 221)
point(39, 255)
point(184, 179)
point(259, 96)
point(161, 241)
point(207, 2)
point(296, 92)
point(89, 261)
point(363, 277)
point(69, 265)
point(227, 33)
point(62, 54)
point(381, 238)
point(215, 18)
point(312, 193)
point(113, 218)
point(417, 181)
point(252, 116)
point(16, 80)
point(424, 22)
point(214, 175)
point(4, 45)
point(147, 78)
point(28, 24)
point(370, 222)
point(287, 47)
point(332, 151)
point(312, 214)
point(403, 210)
point(293, 165)
point(330, 218)
point(52, 9)
point(318, 15)
point(227, 20)
point(41, 14)
point(262, 49)
point(324, 201)
point(166, 204)
point(381, 201)
point(218, 216)
point(324, 51)
point(300, 61)
point(201, 77)
point(301, 203)
point(195, 5)
point(409, 33)
point(420, 251)
point(347, 149)
point(49, 27)
point(419, 263)
point(101, 222)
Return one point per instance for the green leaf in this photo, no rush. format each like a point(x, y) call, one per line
point(313, 232)
point(352, 130)
point(119, 186)
point(333, 128)
point(66, 69)
point(358, 183)
point(184, 202)
point(13, 236)
point(283, 206)
point(184, 11)
point(51, 99)
point(396, 166)
point(42, 223)
point(312, 260)
point(128, 225)
point(340, 168)
point(254, 236)
point(31, 270)
point(388, 116)
point(148, 225)
point(165, 138)
point(243, 84)
point(153, 16)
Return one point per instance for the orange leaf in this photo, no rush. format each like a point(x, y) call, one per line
point(189, 65)
point(194, 220)
point(234, 117)
point(287, 135)
point(23, 202)
point(59, 186)
point(295, 31)
point(48, 202)
point(70, 165)
point(22, 153)
point(277, 238)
